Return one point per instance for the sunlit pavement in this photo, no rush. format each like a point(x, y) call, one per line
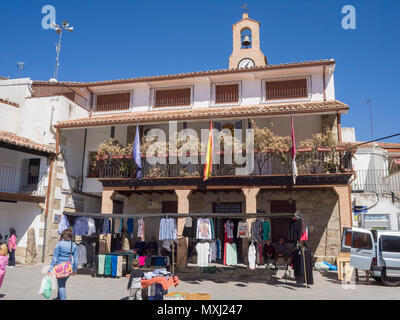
point(23, 282)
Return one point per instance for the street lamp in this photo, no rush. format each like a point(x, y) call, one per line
point(59, 29)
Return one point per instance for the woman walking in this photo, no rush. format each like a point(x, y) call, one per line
point(12, 246)
point(3, 262)
point(64, 252)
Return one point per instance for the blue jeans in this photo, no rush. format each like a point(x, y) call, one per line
point(62, 295)
point(11, 258)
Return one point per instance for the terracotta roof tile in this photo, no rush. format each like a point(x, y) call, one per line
point(205, 113)
point(11, 138)
point(194, 74)
point(6, 101)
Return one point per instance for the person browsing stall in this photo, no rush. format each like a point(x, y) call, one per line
point(134, 284)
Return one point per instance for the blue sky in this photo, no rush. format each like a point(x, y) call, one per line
point(121, 39)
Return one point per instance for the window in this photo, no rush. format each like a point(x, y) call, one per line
point(172, 97)
point(292, 88)
point(227, 207)
point(361, 241)
point(390, 244)
point(113, 101)
point(228, 93)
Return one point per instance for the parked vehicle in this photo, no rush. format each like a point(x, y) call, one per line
point(375, 250)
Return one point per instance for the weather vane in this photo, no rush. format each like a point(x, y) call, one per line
point(245, 8)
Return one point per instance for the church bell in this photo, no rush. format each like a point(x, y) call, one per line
point(246, 41)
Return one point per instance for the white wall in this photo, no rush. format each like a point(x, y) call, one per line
point(22, 216)
point(348, 134)
point(384, 206)
point(370, 158)
point(8, 117)
point(15, 90)
point(37, 115)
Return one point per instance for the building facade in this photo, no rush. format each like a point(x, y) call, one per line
point(250, 94)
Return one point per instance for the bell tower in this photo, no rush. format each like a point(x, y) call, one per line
point(246, 44)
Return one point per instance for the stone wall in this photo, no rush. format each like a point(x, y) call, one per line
point(319, 207)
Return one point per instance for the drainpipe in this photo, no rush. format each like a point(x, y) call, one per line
point(83, 159)
point(324, 83)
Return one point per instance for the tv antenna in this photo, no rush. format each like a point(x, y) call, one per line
point(59, 29)
point(20, 67)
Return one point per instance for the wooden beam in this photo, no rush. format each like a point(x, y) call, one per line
point(21, 197)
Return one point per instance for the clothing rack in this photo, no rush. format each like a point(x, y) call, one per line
point(176, 215)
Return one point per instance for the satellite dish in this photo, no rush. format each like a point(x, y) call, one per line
point(53, 80)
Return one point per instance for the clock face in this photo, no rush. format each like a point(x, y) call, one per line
point(246, 63)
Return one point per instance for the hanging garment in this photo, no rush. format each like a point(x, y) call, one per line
point(189, 230)
point(114, 265)
point(167, 229)
point(81, 226)
point(266, 230)
point(228, 225)
point(218, 245)
point(304, 231)
point(81, 254)
point(295, 229)
point(119, 266)
point(213, 252)
point(107, 265)
point(298, 266)
point(188, 222)
point(140, 232)
point(130, 226)
point(212, 229)
point(204, 230)
point(91, 226)
point(252, 256)
point(203, 250)
point(101, 263)
point(243, 230)
point(231, 254)
point(63, 225)
point(90, 253)
point(105, 227)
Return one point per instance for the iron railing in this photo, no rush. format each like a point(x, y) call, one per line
point(16, 180)
point(308, 162)
point(379, 181)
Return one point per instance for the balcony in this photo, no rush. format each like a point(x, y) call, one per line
point(379, 181)
point(58, 89)
point(276, 167)
point(17, 181)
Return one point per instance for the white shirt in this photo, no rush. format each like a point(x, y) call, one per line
point(203, 251)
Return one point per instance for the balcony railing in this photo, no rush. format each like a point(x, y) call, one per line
point(60, 90)
point(308, 162)
point(379, 181)
point(15, 180)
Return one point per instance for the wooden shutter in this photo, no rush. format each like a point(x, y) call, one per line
point(172, 97)
point(227, 93)
point(286, 89)
point(113, 101)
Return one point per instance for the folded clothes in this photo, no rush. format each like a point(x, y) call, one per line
point(165, 283)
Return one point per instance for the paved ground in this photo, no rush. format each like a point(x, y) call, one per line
point(22, 283)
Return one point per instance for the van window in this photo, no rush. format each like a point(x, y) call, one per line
point(361, 241)
point(390, 243)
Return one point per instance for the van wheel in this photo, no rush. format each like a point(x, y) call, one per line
point(390, 282)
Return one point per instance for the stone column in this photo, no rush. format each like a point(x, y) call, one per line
point(251, 207)
point(345, 210)
point(183, 207)
point(106, 207)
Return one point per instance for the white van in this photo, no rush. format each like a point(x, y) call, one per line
point(375, 250)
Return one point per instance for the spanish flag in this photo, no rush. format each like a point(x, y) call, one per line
point(208, 165)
